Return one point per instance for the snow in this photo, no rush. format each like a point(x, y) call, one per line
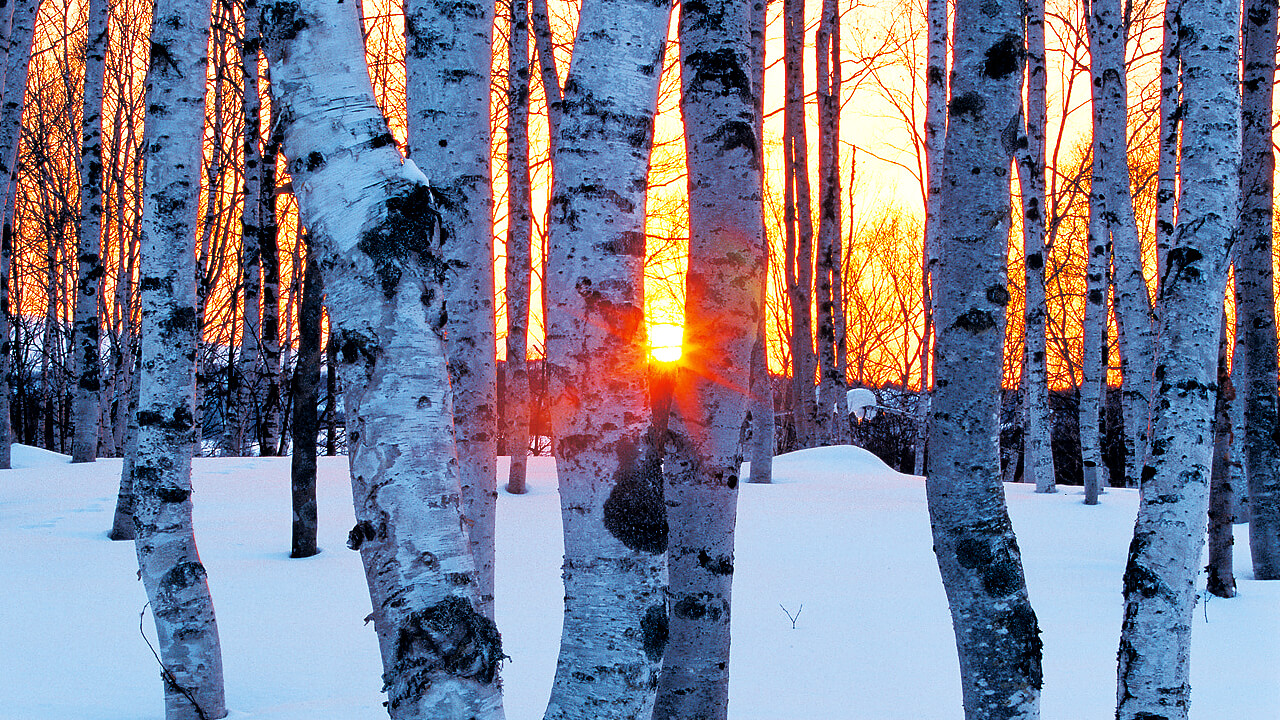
point(837, 534)
point(861, 402)
point(411, 172)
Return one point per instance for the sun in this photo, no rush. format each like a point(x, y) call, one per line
point(665, 340)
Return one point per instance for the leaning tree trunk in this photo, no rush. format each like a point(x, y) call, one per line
point(723, 309)
point(21, 33)
point(519, 248)
point(996, 631)
point(448, 49)
point(168, 562)
point(615, 526)
point(1037, 419)
point(1108, 34)
point(935, 133)
point(85, 350)
point(1255, 275)
point(306, 420)
point(1164, 557)
point(376, 229)
point(1221, 579)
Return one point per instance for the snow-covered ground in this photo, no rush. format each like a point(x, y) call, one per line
point(838, 535)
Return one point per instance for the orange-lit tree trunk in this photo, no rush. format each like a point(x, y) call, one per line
point(447, 50)
point(724, 304)
point(17, 60)
point(519, 248)
point(762, 409)
point(377, 229)
point(799, 226)
point(1036, 417)
point(615, 526)
point(85, 346)
point(997, 634)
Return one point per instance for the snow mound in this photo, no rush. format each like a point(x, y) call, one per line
point(25, 456)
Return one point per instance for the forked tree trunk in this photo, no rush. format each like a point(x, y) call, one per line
point(1108, 34)
point(519, 248)
point(1164, 557)
point(448, 51)
point(85, 350)
point(996, 631)
point(168, 562)
point(723, 312)
point(377, 233)
point(615, 526)
point(1037, 419)
point(21, 32)
point(1255, 275)
point(306, 419)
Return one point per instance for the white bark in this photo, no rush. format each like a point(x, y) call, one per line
point(935, 132)
point(831, 385)
point(1255, 275)
point(1164, 557)
point(377, 234)
point(249, 400)
point(85, 350)
point(21, 31)
point(997, 634)
point(762, 408)
point(1037, 418)
point(1108, 35)
point(724, 306)
point(615, 528)
point(519, 249)
point(168, 562)
point(448, 51)
point(799, 224)
point(1167, 164)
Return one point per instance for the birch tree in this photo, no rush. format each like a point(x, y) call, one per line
point(249, 401)
point(1168, 536)
point(799, 224)
point(935, 132)
point(17, 60)
point(831, 384)
point(1037, 419)
point(168, 562)
point(723, 309)
point(306, 422)
point(997, 634)
point(611, 499)
point(88, 364)
point(448, 56)
point(377, 233)
point(762, 408)
point(1220, 571)
point(1255, 276)
point(519, 248)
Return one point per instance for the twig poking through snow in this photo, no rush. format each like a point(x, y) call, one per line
point(791, 617)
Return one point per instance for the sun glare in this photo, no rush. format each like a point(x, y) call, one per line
point(665, 341)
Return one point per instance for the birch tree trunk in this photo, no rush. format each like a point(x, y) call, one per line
point(935, 132)
point(799, 222)
point(1108, 34)
point(611, 500)
point(1221, 579)
point(762, 408)
point(269, 253)
point(306, 421)
point(1255, 275)
point(448, 51)
point(519, 247)
point(1167, 163)
point(1037, 418)
point(86, 353)
point(1164, 557)
point(997, 634)
point(723, 310)
point(249, 402)
point(827, 64)
point(22, 30)
point(377, 233)
point(168, 562)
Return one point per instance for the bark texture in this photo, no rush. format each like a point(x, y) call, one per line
point(168, 562)
point(377, 231)
point(832, 418)
point(306, 418)
point(723, 309)
point(88, 363)
point(997, 634)
point(519, 248)
point(1221, 579)
point(935, 135)
point(799, 226)
point(1256, 277)
point(763, 441)
point(615, 527)
point(447, 51)
point(1168, 536)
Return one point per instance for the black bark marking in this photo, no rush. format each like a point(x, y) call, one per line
point(354, 346)
point(628, 242)
point(635, 512)
point(1035, 261)
point(1180, 262)
point(281, 22)
point(735, 134)
point(411, 232)
point(721, 68)
point(1003, 58)
point(181, 319)
point(654, 627)
point(382, 140)
point(998, 294)
point(700, 606)
point(169, 494)
point(362, 532)
point(1024, 630)
point(180, 576)
point(718, 565)
point(976, 321)
point(970, 103)
point(448, 638)
point(180, 422)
